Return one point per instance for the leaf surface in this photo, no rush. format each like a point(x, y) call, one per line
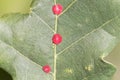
point(90, 30)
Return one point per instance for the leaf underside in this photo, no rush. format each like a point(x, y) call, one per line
point(90, 30)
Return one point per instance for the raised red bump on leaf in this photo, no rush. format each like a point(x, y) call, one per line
point(57, 39)
point(57, 9)
point(46, 68)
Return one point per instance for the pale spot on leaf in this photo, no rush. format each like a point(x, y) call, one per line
point(69, 71)
point(85, 78)
point(79, 25)
point(89, 67)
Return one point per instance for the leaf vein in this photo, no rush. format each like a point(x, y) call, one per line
point(81, 38)
point(68, 7)
point(44, 22)
point(23, 55)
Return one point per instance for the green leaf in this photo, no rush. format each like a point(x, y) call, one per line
point(90, 30)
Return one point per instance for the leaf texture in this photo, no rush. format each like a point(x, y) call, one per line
point(90, 30)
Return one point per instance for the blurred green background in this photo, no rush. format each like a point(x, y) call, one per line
point(23, 6)
point(13, 6)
